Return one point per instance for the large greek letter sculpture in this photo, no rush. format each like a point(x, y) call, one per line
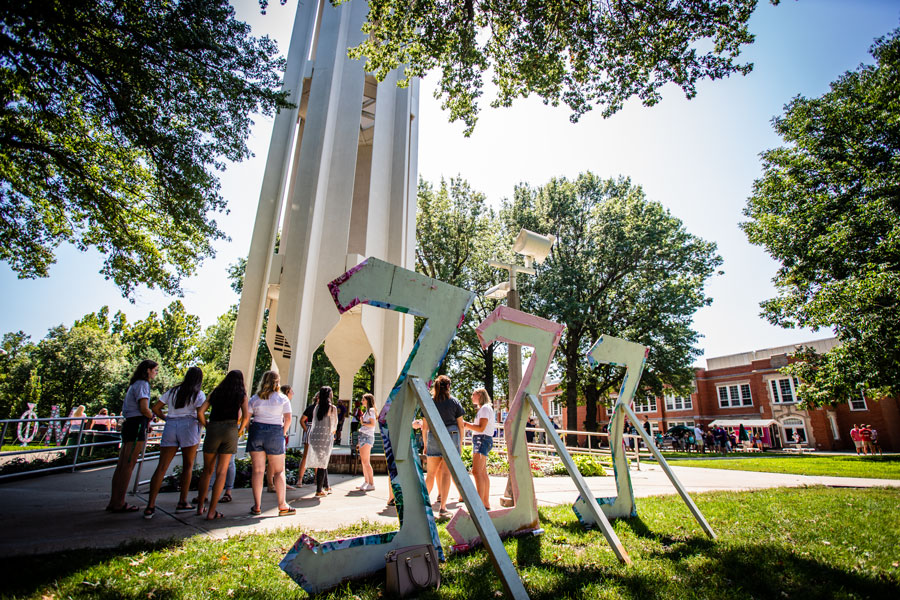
point(318, 566)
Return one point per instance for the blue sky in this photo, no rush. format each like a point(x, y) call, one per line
point(698, 158)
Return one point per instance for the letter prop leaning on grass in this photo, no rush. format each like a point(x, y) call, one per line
point(632, 356)
point(506, 324)
point(318, 566)
point(514, 326)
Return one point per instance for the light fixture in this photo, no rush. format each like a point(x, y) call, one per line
point(498, 292)
point(533, 246)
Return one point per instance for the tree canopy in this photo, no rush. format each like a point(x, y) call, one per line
point(828, 209)
point(622, 266)
point(114, 117)
point(576, 53)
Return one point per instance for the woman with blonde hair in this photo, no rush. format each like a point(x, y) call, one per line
point(271, 412)
point(482, 442)
point(366, 436)
point(451, 412)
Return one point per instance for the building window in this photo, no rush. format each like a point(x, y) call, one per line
point(784, 391)
point(835, 432)
point(858, 403)
point(685, 423)
point(555, 408)
point(647, 405)
point(679, 403)
point(735, 395)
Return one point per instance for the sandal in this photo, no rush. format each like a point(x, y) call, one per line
point(254, 510)
point(183, 507)
point(392, 502)
point(125, 508)
point(148, 512)
point(218, 515)
point(321, 494)
point(226, 497)
point(284, 512)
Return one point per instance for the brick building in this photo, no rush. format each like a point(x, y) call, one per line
point(749, 389)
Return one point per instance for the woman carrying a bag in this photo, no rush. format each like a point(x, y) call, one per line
point(321, 439)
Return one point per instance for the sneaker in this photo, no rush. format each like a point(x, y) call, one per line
point(367, 487)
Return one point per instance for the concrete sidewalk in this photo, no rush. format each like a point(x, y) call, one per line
point(65, 511)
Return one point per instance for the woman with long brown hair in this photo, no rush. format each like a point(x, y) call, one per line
point(452, 413)
point(321, 439)
point(271, 412)
point(366, 435)
point(227, 422)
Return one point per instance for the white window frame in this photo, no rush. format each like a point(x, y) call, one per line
point(645, 405)
point(776, 388)
point(679, 403)
point(854, 407)
point(686, 423)
point(835, 430)
point(735, 395)
point(794, 423)
point(555, 408)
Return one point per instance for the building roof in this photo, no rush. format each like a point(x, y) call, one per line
point(746, 358)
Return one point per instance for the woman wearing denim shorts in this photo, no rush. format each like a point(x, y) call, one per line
point(366, 437)
point(271, 412)
point(451, 412)
point(182, 431)
point(482, 442)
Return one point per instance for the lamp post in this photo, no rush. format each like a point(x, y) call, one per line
point(535, 248)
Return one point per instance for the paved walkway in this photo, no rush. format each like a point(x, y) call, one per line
point(65, 511)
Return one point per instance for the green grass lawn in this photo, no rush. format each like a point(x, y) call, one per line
point(778, 543)
point(33, 446)
point(878, 467)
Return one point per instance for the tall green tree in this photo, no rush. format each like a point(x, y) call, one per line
point(622, 266)
point(828, 209)
point(19, 379)
point(80, 365)
point(115, 115)
point(173, 336)
point(456, 236)
point(576, 53)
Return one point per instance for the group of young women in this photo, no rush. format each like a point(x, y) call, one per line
point(227, 414)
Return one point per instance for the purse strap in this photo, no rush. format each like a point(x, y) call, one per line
point(412, 574)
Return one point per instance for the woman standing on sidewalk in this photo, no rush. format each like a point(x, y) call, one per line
point(482, 442)
point(136, 410)
point(182, 430)
point(366, 437)
point(451, 412)
point(228, 420)
point(271, 412)
point(321, 439)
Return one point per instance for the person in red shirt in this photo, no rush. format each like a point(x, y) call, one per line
point(866, 434)
point(857, 439)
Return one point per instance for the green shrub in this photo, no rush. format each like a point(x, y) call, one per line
point(588, 465)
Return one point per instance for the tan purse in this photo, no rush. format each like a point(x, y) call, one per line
point(411, 569)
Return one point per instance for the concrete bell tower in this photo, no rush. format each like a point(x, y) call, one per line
point(339, 185)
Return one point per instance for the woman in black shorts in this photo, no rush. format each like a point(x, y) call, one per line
point(227, 421)
point(136, 410)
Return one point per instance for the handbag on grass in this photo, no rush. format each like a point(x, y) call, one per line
point(411, 569)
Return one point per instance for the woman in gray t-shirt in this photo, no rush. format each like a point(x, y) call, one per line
point(136, 410)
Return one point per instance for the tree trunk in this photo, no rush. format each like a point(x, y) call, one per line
point(572, 359)
point(488, 354)
point(591, 395)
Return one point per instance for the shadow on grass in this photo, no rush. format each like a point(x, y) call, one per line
point(25, 575)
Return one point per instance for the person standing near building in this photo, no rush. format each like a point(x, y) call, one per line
point(865, 435)
point(271, 412)
point(698, 438)
point(874, 441)
point(857, 438)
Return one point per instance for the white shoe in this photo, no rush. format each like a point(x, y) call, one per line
point(368, 487)
point(363, 486)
